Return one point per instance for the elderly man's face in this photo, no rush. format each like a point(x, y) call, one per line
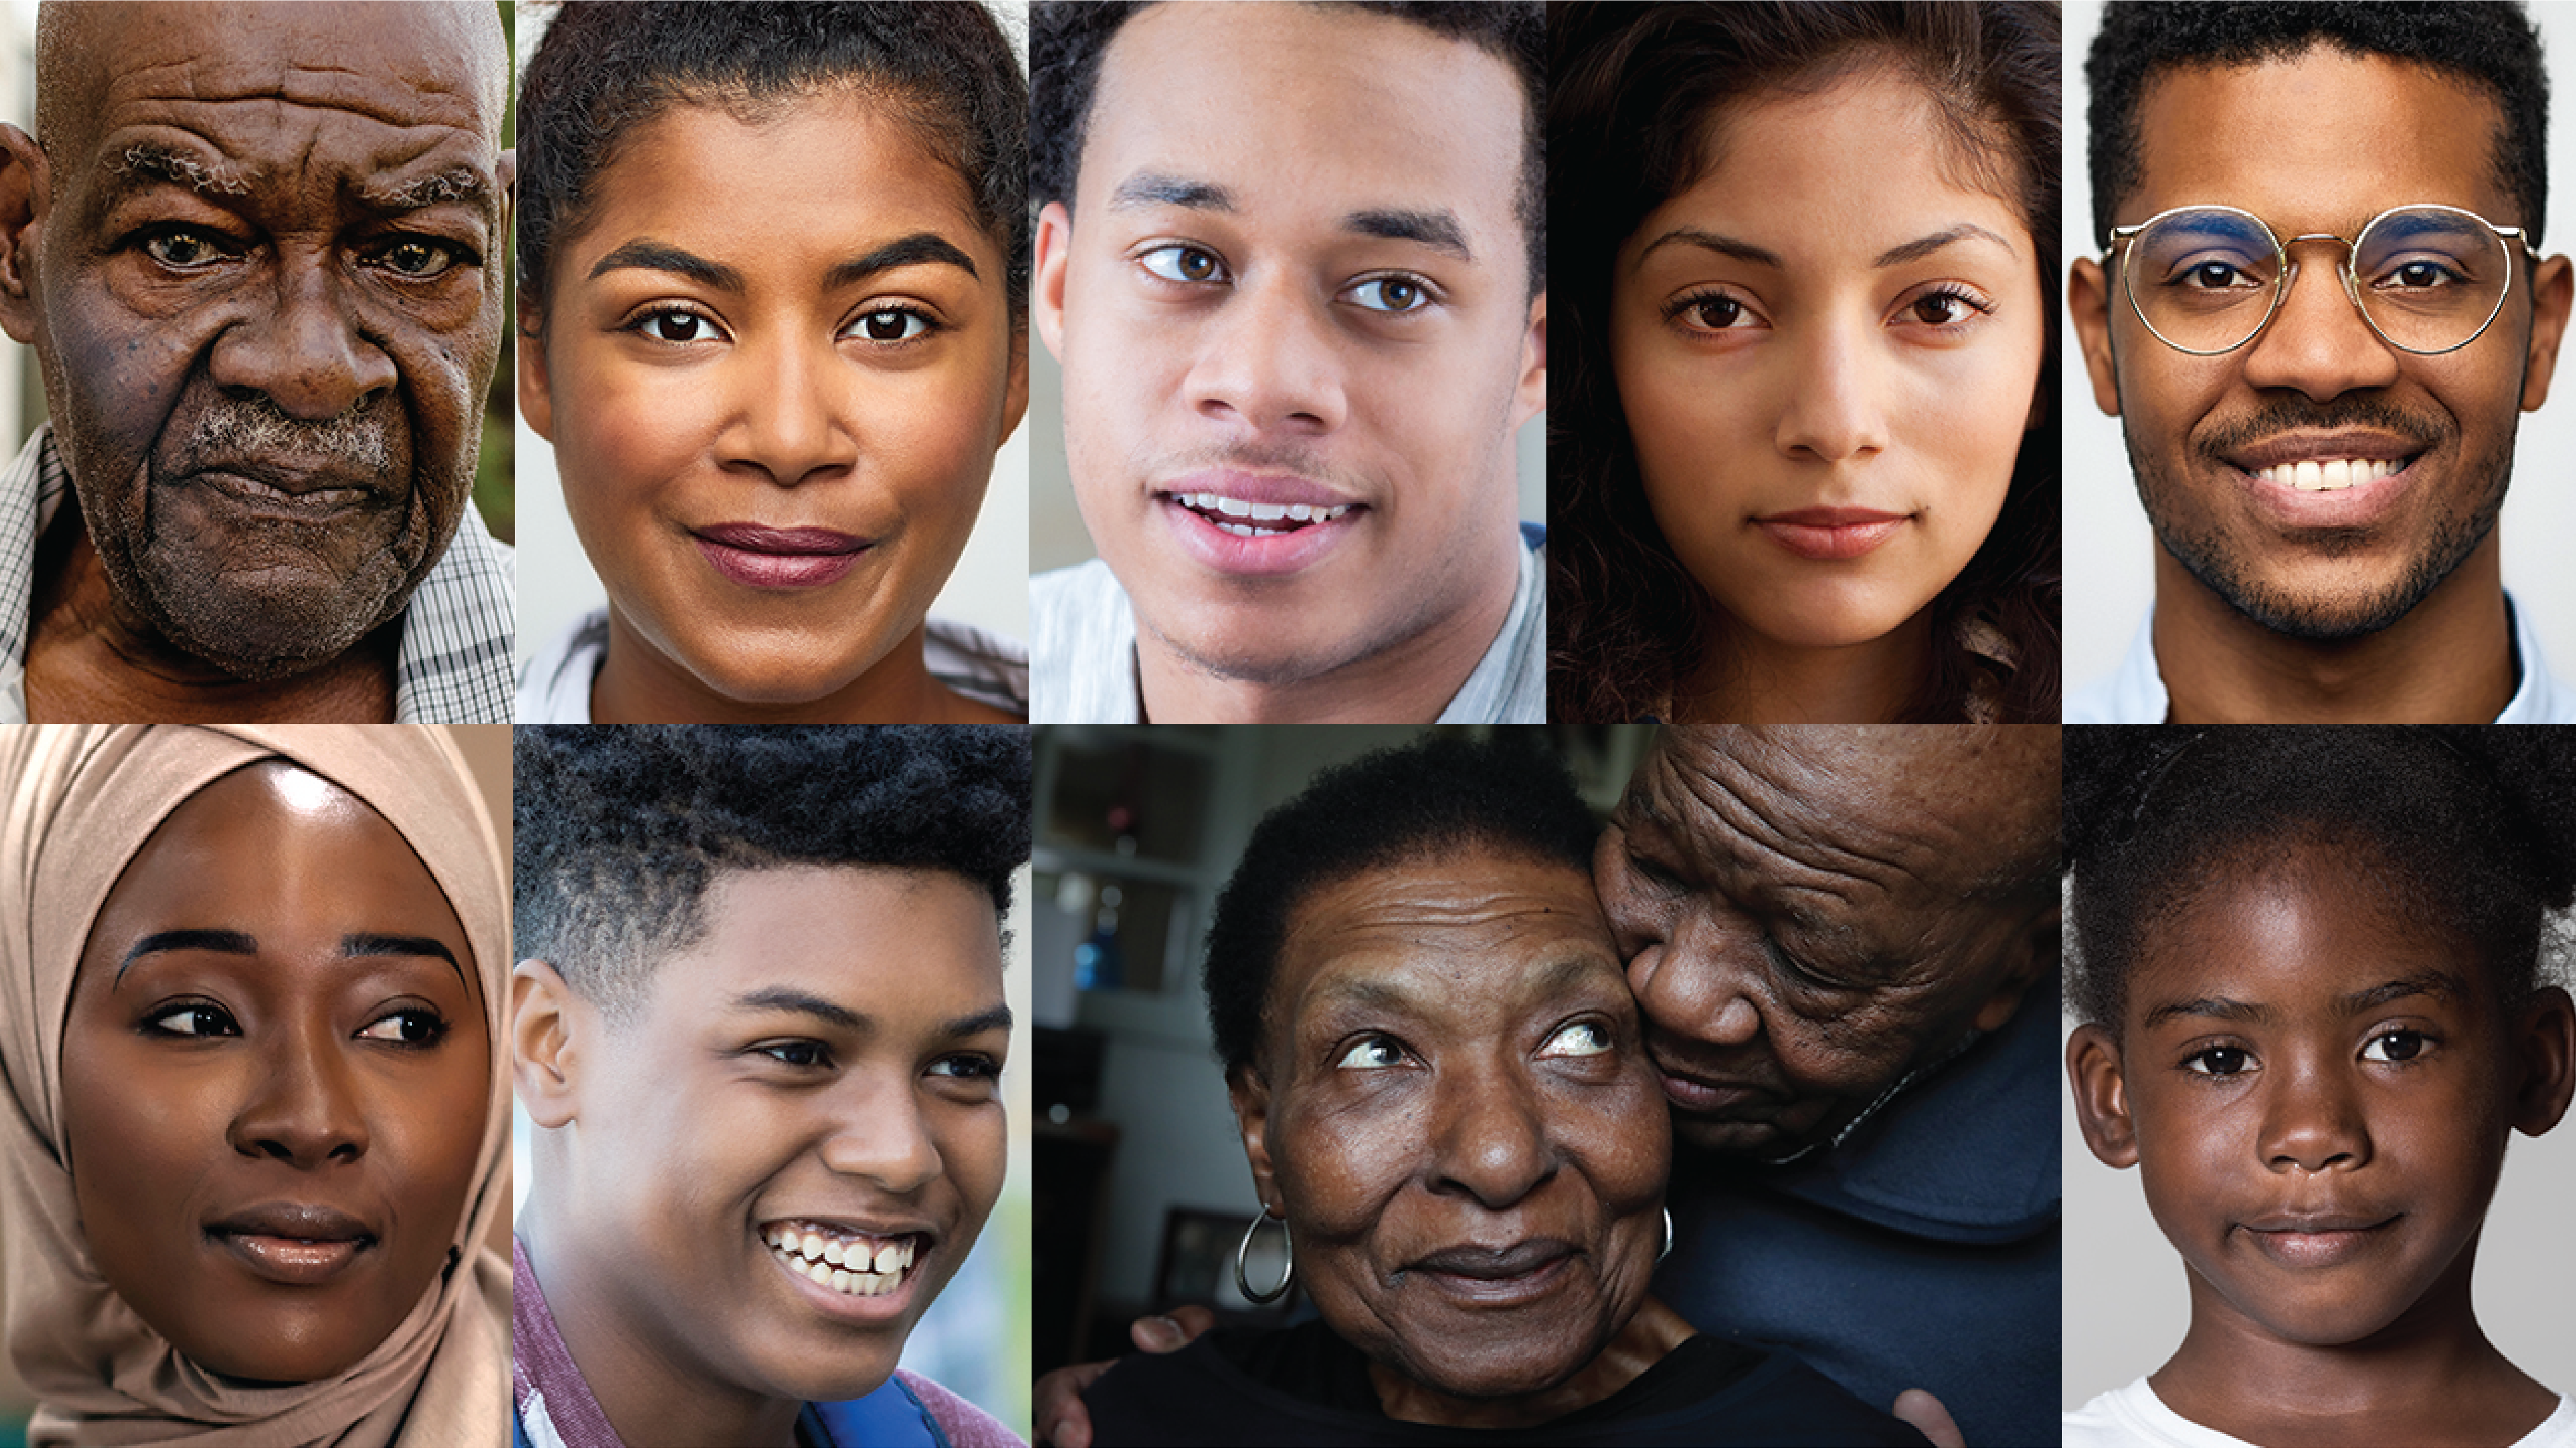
point(266, 292)
point(1809, 914)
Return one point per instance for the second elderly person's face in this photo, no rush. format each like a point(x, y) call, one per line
point(2319, 144)
point(265, 288)
point(1810, 913)
point(1294, 277)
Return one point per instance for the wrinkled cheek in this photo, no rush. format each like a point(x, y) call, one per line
point(114, 389)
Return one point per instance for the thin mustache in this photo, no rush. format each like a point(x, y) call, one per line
point(2299, 415)
point(256, 427)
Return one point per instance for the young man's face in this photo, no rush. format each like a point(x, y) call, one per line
point(2320, 144)
point(1292, 300)
point(823, 1062)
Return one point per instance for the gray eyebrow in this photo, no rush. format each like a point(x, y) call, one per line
point(645, 254)
point(1921, 247)
point(456, 183)
point(1438, 230)
point(1154, 188)
point(1725, 246)
point(175, 167)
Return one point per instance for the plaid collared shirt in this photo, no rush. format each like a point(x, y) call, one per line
point(453, 665)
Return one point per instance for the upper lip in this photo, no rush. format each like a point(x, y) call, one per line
point(1277, 490)
point(2324, 1220)
point(1830, 517)
point(312, 1221)
point(2368, 444)
point(1474, 1260)
point(1665, 1062)
point(859, 1227)
point(761, 538)
point(292, 475)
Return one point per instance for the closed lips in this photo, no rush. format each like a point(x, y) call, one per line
point(758, 538)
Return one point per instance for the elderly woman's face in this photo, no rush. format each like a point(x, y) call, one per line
point(275, 1076)
point(1457, 1114)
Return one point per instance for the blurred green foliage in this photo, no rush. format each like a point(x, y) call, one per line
point(496, 491)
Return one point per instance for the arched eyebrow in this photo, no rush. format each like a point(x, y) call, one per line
point(910, 251)
point(645, 254)
point(241, 943)
point(1921, 247)
point(832, 1013)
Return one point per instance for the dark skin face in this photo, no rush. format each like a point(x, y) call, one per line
point(1807, 913)
point(259, 257)
point(2317, 1092)
point(275, 1078)
point(1454, 1112)
point(827, 1055)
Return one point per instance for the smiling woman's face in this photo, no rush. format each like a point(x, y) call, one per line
point(1828, 350)
point(275, 1078)
point(778, 359)
point(1460, 1120)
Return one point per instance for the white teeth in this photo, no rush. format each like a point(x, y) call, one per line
point(813, 1245)
point(1300, 512)
point(861, 1267)
point(840, 1281)
point(1234, 508)
point(889, 1258)
point(1269, 513)
point(2329, 475)
point(832, 1253)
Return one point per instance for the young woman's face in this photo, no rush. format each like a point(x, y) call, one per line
point(275, 1078)
point(1828, 350)
point(2320, 1084)
point(777, 362)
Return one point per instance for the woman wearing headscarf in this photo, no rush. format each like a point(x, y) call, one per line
point(250, 996)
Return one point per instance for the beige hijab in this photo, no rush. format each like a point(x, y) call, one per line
point(76, 803)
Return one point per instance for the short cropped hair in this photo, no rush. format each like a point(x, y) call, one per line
point(1440, 794)
point(606, 67)
point(2490, 44)
point(619, 831)
point(1067, 38)
point(2471, 828)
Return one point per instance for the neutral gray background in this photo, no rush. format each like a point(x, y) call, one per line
point(2108, 544)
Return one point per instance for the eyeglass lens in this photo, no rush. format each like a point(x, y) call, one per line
point(2207, 279)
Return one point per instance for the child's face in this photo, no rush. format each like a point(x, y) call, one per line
point(778, 360)
point(825, 1059)
point(2319, 1085)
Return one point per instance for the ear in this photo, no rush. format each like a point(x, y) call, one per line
point(2548, 1033)
point(1530, 398)
point(2101, 1096)
point(536, 393)
point(2033, 954)
point(2550, 293)
point(1054, 253)
point(26, 195)
point(1251, 1098)
point(1015, 400)
point(544, 1043)
point(2088, 302)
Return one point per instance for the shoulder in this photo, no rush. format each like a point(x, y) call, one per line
point(1777, 1400)
point(2558, 1431)
point(987, 667)
point(960, 1422)
point(2132, 1415)
point(1082, 647)
point(554, 688)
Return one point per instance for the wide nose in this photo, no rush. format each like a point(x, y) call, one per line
point(302, 343)
point(790, 409)
point(1489, 1136)
point(2312, 1119)
point(2318, 344)
point(1270, 359)
point(1694, 984)
point(304, 1107)
point(878, 1132)
point(1836, 410)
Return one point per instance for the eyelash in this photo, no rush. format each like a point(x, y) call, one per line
point(1976, 307)
point(152, 1024)
point(641, 324)
point(2199, 1063)
point(1426, 295)
point(969, 1066)
point(1685, 305)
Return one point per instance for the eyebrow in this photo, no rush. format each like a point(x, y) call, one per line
point(1438, 230)
point(645, 254)
point(919, 249)
point(456, 183)
point(832, 1013)
point(2440, 984)
point(241, 943)
point(1921, 247)
point(1155, 188)
point(1709, 241)
point(174, 167)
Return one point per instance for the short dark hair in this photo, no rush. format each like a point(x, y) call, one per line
point(605, 68)
point(2470, 827)
point(2491, 44)
point(1635, 86)
point(1067, 38)
point(1442, 793)
point(620, 830)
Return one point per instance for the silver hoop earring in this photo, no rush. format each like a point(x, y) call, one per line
point(1668, 1236)
point(1244, 1249)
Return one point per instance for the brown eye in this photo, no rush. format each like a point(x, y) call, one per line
point(181, 249)
point(1179, 263)
point(892, 325)
point(1717, 313)
point(417, 259)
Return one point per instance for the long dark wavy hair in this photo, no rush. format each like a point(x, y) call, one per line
point(1631, 88)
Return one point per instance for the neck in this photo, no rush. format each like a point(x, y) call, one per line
point(640, 684)
point(2449, 660)
point(1410, 680)
point(1654, 1332)
point(653, 1392)
point(1747, 679)
point(2430, 1377)
point(92, 657)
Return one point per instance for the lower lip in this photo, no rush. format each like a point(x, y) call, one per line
point(777, 570)
point(300, 1261)
point(1499, 1292)
point(1824, 541)
point(1279, 553)
point(2317, 1250)
point(2358, 506)
point(1693, 1096)
point(851, 1307)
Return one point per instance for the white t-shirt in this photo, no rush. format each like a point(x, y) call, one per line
point(2134, 1418)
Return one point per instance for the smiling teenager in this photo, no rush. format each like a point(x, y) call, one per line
point(773, 319)
point(759, 1026)
point(252, 1001)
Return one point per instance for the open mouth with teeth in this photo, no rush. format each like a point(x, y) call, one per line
point(2332, 475)
point(843, 1261)
point(1257, 520)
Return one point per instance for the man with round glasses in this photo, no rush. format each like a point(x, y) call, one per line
point(2317, 304)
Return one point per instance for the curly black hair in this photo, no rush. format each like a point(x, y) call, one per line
point(1635, 86)
point(1440, 793)
point(605, 68)
point(2491, 44)
point(1067, 39)
point(2471, 827)
point(619, 830)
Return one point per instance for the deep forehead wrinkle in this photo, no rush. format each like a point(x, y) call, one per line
point(1155, 188)
point(182, 87)
point(1764, 817)
point(1407, 996)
